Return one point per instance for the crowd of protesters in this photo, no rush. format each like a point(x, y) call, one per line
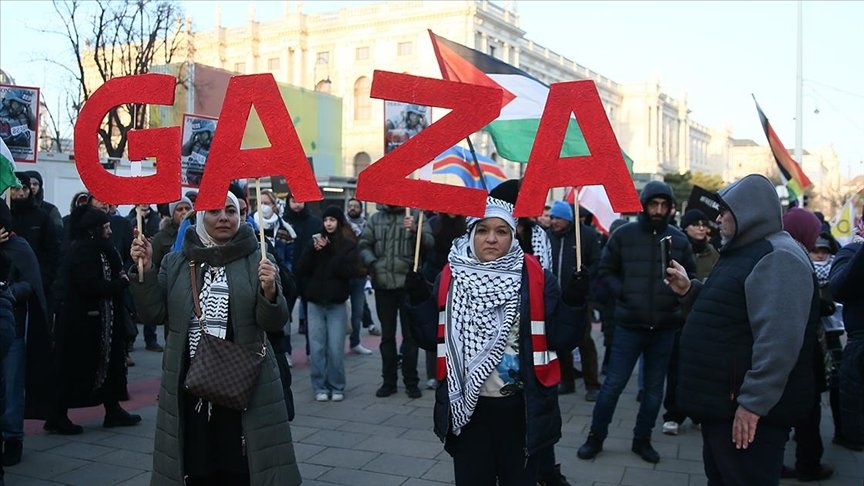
point(741, 333)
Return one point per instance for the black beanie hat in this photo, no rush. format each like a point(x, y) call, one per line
point(86, 218)
point(507, 191)
point(334, 212)
point(692, 216)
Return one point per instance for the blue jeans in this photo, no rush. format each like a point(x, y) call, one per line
point(13, 376)
point(358, 303)
point(326, 337)
point(656, 348)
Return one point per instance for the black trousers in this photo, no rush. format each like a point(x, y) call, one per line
point(808, 442)
point(669, 402)
point(490, 450)
point(760, 463)
point(389, 303)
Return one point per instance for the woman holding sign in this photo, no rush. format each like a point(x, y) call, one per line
point(496, 318)
point(238, 298)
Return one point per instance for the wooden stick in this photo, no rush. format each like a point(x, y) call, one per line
point(419, 237)
point(578, 225)
point(407, 213)
point(260, 219)
point(139, 215)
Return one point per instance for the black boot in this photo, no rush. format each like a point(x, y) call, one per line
point(643, 448)
point(592, 446)
point(555, 478)
point(62, 425)
point(115, 416)
point(566, 387)
point(12, 452)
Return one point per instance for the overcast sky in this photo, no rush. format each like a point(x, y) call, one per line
point(714, 53)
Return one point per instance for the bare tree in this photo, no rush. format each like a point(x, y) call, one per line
point(117, 38)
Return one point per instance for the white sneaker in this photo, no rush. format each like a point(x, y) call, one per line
point(289, 360)
point(321, 397)
point(360, 349)
point(670, 428)
point(337, 397)
point(431, 384)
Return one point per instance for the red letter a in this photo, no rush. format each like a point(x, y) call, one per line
point(285, 156)
point(605, 166)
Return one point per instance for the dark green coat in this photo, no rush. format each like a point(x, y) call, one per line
point(168, 298)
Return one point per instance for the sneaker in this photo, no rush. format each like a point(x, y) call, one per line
point(289, 360)
point(592, 394)
point(337, 397)
point(120, 418)
point(374, 331)
point(642, 447)
point(12, 452)
point(413, 391)
point(385, 391)
point(321, 397)
point(431, 384)
point(670, 428)
point(592, 446)
point(155, 347)
point(360, 349)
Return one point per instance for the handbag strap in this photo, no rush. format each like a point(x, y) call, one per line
point(193, 278)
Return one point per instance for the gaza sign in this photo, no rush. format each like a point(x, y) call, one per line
point(386, 181)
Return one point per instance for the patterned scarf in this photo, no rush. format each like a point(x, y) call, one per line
point(541, 246)
point(823, 269)
point(214, 307)
point(482, 307)
point(106, 310)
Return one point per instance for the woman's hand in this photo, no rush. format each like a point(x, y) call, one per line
point(677, 279)
point(267, 276)
point(142, 250)
point(320, 243)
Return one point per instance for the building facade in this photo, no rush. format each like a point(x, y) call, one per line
point(338, 52)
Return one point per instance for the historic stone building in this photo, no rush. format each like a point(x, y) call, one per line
point(338, 51)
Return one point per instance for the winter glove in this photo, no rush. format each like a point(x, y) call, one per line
point(576, 292)
point(826, 307)
point(417, 288)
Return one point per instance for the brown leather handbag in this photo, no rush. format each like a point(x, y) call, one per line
point(222, 372)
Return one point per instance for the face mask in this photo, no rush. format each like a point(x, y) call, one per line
point(266, 211)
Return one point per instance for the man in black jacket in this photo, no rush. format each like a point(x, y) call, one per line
point(647, 313)
point(32, 223)
point(746, 355)
point(562, 236)
point(37, 188)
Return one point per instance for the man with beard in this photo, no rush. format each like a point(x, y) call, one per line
point(647, 314)
point(361, 316)
point(32, 223)
point(38, 190)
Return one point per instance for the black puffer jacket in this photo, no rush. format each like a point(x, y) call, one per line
point(324, 273)
point(630, 269)
point(306, 225)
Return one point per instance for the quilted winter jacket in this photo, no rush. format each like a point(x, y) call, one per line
point(167, 297)
point(387, 248)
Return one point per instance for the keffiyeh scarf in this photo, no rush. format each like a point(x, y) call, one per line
point(482, 307)
point(213, 298)
point(541, 246)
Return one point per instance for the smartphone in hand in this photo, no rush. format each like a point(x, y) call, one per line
point(665, 255)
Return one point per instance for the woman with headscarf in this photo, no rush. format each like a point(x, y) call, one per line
point(325, 268)
point(496, 318)
point(91, 327)
point(197, 442)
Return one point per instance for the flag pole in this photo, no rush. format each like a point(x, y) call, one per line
point(260, 219)
point(577, 223)
point(140, 220)
point(477, 164)
point(419, 237)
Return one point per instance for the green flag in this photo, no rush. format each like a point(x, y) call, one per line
point(7, 169)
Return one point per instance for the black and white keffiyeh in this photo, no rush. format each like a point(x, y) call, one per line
point(823, 269)
point(542, 246)
point(482, 307)
point(213, 299)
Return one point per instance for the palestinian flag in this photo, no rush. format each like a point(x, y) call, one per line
point(796, 180)
point(522, 104)
point(7, 169)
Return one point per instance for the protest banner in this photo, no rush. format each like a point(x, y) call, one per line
point(19, 121)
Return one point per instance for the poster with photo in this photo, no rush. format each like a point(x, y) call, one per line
point(197, 136)
point(19, 121)
point(403, 121)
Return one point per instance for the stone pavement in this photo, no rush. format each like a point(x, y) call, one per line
point(372, 441)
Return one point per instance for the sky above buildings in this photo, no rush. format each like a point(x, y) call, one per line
point(713, 53)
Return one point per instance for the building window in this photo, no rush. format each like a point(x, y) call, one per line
point(324, 86)
point(491, 50)
point(361, 54)
point(361, 161)
point(273, 64)
point(362, 102)
point(404, 48)
point(322, 57)
point(240, 67)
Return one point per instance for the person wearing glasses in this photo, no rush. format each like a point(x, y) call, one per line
point(497, 320)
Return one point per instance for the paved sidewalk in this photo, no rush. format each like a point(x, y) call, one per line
point(373, 441)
